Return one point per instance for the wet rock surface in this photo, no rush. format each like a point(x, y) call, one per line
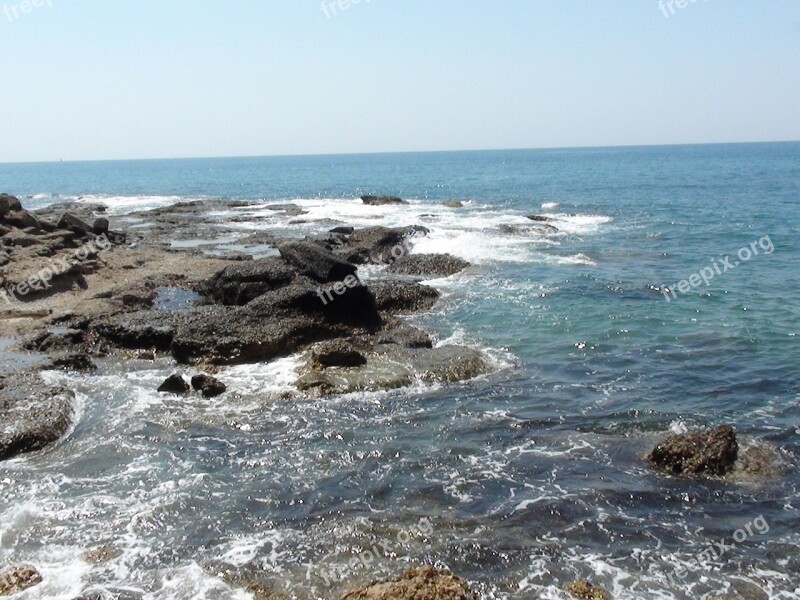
point(33, 415)
point(174, 384)
point(439, 265)
point(18, 579)
point(382, 200)
point(209, 386)
point(583, 590)
point(239, 284)
point(423, 583)
point(709, 452)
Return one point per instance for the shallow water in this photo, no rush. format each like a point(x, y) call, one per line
point(520, 481)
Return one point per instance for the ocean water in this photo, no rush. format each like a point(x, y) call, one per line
point(520, 481)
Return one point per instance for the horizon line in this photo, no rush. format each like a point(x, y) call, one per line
point(385, 153)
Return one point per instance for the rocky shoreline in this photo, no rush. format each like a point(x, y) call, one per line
point(78, 290)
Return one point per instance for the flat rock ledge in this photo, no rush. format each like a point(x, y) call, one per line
point(33, 415)
point(423, 583)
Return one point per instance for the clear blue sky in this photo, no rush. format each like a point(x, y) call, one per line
point(101, 79)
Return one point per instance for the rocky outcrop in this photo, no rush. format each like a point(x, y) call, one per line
point(209, 386)
point(583, 590)
point(428, 265)
point(376, 245)
point(453, 204)
point(394, 297)
point(337, 353)
point(314, 261)
point(18, 579)
point(174, 384)
point(382, 200)
point(708, 452)
point(33, 415)
point(239, 284)
point(423, 583)
point(538, 218)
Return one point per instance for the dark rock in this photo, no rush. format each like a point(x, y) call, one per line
point(18, 579)
point(401, 334)
point(337, 353)
point(583, 590)
point(423, 583)
point(21, 219)
point(174, 384)
point(382, 200)
point(57, 340)
point(538, 218)
point(77, 361)
point(139, 298)
point(402, 296)
point(453, 204)
point(138, 334)
point(708, 452)
point(237, 285)
point(209, 386)
point(9, 204)
point(343, 230)
point(380, 245)
point(443, 265)
point(316, 262)
point(74, 224)
point(101, 555)
point(33, 415)
point(291, 210)
point(540, 229)
point(100, 226)
point(276, 324)
point(4, 230)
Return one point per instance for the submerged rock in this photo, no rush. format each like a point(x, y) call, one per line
point(442, 265)
point(382, 200)
point(583, 590)
point(174, 384)
point(453, 204)
point(209, 386)
point(392, 367)
point(538, 218)
point(33, 415)
point(18, 579)
point(707, 452)
point(423, 583)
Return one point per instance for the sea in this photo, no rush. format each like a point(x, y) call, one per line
point(666, 299)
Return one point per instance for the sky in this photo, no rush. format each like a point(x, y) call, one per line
point(118, 79)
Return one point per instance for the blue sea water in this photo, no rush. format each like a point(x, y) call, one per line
point(529, 478)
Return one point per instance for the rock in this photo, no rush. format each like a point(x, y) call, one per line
point(140, 298)
point(101, 555)
point(9, 204)
point(538, 218)
point(237, 285)
point(138, 334)
point(391, 367)
point(290, 210)
point(380, 245)
point(382, 200)
point(18, 579)
point(56, 339)
point(74, 224)
point(539, 229)
point(276, 324)
point(33, 415)
point(453, 204)
point(402, 296)
point(343, 230)
point(4, 230)
point(708, 452)
point(209, 386)
point(401, 334)
point(77, 361)
point(100, 226)
point(174, 384)
point(442, 265)
point(423, 583)
point(316, 262)
point(337, 353)
point(583, 590)
point(21, 219)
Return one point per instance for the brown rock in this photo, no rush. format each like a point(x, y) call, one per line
point(423, 583)
point(708, 452)
point(584, 590)
point(209, 386)
point(18, 579)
